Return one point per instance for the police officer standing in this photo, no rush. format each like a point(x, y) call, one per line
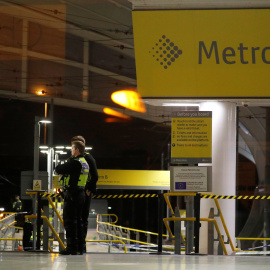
point(90, 187)
point(75, 172)
point(17, 205)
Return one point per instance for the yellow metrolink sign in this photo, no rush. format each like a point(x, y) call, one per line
point(133, 179)
point(202, 53)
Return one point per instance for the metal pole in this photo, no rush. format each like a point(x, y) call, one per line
point(160, 221)
point(197, 224)
point(177, 232)
point(50, 143)
point(36, 148)
point(38, 220)
point(189, 225)
point(35, 173)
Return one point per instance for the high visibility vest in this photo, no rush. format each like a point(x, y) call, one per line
point(17, 205)
point(83, 176)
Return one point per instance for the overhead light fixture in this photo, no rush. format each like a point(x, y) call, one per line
point(180, 104)
point(129, 99)
point(41, 92)
point(115, 113)
point(43, 147)
point(61, 152)
point(86, 147)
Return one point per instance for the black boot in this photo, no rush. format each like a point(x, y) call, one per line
point(68, 251)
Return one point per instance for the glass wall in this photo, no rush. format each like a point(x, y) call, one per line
point(252, 215)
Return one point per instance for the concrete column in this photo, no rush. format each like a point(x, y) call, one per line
point(223, 168)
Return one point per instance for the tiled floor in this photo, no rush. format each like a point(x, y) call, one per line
point(99, 261)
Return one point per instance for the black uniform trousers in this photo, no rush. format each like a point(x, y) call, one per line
point(85, 214)
point(72, 216)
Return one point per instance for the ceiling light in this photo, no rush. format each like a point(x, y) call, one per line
point(41, 92)
point(115, 113)
point(129, 99)
point(45, 121)
point(61, 152)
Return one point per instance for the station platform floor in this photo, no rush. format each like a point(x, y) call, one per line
point(14, 260)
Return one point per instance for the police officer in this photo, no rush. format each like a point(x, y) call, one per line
point(90, 187)
point(76, 171)
point(17, 205)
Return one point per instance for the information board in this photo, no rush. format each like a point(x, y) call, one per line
point(190, 179)
point(191, 137)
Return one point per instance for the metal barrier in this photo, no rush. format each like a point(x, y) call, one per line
point(108, 241)
point(251, 239)
point(194, 219)
point(50, 226)
point(202, 195)
point(7, 231)
point(111, 231)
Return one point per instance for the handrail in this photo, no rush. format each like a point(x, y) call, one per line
point(10, 239)
point(6, 217)
point(250, 238)
point(116, 217)
point(127, 239)
point(55, 209)
point(51, 227)
point(166, 195)
point(107, 241)
point(224, 226)
point(130, 229)
point(194, 219)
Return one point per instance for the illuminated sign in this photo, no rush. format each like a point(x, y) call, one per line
point(202, 53)
point(133, 179)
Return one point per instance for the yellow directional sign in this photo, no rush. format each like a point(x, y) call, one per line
point(133, 179)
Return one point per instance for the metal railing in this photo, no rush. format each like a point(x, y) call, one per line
point(7, 232)
point(110, 231)
point(173, 218)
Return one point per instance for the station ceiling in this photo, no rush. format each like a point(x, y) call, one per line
point(80, 52)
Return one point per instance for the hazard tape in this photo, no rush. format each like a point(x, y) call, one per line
point(235, 197)
point(124, 196)
point(110, 196)
point(129, 196)
point(54, 195)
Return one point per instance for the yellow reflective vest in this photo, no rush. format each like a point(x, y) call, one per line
point(83, 176)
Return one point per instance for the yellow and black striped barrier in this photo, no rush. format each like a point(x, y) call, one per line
point(203, 196)
point(109, 196)
point(54, 195)
point(124, 196)
point(242, 197)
